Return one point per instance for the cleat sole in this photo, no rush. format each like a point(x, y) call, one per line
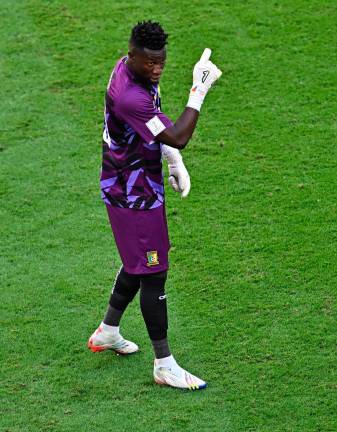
point(190, 388)
point(101, 348)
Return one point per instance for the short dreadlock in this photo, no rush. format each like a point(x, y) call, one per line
point(148, 34)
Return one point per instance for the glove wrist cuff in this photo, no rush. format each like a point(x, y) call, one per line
point(197, 96)
point(172, 155)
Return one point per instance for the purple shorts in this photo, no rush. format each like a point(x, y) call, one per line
point(141, 237)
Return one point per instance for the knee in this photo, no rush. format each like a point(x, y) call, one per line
point(154, 281)
point(124, 290)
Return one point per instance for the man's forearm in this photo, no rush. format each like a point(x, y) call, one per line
point(205, 73)
point(180, 133)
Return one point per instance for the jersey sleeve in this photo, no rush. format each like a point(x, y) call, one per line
point(139, 112)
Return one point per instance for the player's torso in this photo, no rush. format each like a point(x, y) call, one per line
point(131, 174)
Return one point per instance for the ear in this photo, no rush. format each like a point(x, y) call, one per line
point(131, 53)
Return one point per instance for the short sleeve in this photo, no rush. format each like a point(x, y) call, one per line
point(138, 111)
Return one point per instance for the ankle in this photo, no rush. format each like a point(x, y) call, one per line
point(113, 330)
point(166, 361)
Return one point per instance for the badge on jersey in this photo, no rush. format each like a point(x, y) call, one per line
point(152, 258)
point(155, 125)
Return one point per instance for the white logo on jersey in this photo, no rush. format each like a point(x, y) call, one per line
point(155, 125)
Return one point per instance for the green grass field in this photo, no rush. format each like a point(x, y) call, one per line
point(253, 280)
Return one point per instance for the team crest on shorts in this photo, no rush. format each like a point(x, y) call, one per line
point(152, 258)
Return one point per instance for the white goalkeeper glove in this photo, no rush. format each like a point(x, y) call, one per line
point(205, 73)
point(179, 178)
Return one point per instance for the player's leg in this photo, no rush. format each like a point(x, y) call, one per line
point(107, 336)
point(154, 309)
point(125, 288)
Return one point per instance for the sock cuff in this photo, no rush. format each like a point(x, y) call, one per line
point(110, 329)
point(166, 361)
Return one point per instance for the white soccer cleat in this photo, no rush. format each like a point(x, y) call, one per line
point(175, 376)
point(102, 340)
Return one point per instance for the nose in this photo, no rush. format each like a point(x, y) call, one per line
point(158, 69)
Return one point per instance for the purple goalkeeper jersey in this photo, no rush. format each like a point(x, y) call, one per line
point(131, 175)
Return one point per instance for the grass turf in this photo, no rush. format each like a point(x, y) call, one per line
point(252, 286)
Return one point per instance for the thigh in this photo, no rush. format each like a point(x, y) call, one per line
point(142, 238)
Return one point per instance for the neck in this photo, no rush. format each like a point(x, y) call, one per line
point(138, 77)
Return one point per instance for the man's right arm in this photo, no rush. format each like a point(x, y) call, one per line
point(205, 73)
point(179, 134)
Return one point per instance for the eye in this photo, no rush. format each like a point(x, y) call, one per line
point(150, 63)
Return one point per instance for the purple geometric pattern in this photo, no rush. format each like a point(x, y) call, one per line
point(131, 175)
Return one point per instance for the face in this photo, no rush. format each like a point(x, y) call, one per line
point(146, 63)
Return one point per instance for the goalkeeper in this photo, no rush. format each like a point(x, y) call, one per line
point(136, 135)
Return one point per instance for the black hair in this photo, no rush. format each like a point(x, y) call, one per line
point(148, 34)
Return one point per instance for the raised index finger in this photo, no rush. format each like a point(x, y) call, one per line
point(205, 55)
